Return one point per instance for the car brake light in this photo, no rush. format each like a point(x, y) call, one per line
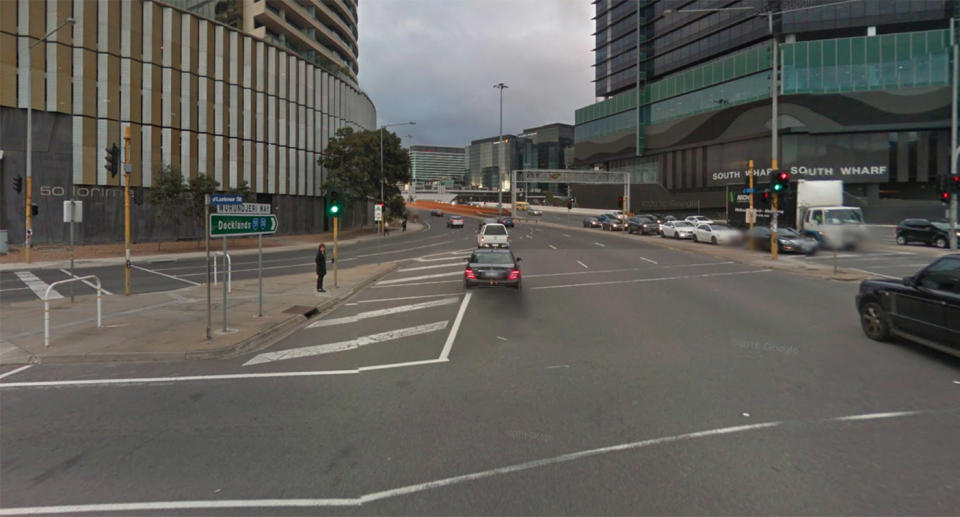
point(469, 274)
point(514, 274)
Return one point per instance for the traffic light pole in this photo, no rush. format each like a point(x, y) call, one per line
point(336, 230)
point(750, 214)
point(775, 205)
point(952, 206)
point(126, 208)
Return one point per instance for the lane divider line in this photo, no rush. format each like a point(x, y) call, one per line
point(552, 246)
point(657, 279)
point(382, 312)
point(601, 245)
point(13, 372)
point(91, 284)
point(582, 264)
point(459, 263)
point(184, 280)
point(399, 298)
point(415, 278)
point(648, 260)
point(448, 345)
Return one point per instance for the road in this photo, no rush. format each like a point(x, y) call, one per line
point(624, 378)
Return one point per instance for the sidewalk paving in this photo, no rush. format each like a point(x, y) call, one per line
point(171, 325)
point(93, 255)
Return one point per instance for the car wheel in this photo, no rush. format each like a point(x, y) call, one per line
point(695, 238)
point(676, 236)
point(901, 240)
point(517, 287)
point(466, 285)
point(663, 235)
point(940, 242)
point(873, 320)
point(713, 240)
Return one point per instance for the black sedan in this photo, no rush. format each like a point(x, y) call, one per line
point(645, 225)
point(788, 240)
point(492, 267)
point(612, 223)
point(932, 233)
point(591, 222)
point(923, 308)
point(506, 221)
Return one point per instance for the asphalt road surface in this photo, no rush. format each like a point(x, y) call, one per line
point(623, 378)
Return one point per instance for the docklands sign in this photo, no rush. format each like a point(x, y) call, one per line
point(851, 174)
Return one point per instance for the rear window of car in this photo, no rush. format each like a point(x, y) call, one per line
point(720, 226)
point(491, 258)
point(494, 229)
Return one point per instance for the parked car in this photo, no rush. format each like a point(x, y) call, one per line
point(492, 268)
point(697, 220)
point(923, 308)
point(644, 225)
point(493, 235)
point(591, 222)
point(535, 211)
point(436, 212)
point(506, 221)
point(716, 233)
point(932, 233)
point(677, 229)
point(788, 240)
point(455, 221)
point(610, 222)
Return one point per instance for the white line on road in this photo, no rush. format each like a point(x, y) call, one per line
point(379, 300)
point(552, 246)
point(15, 289)
point(601, 245)
point(582, 264)
point(448, 345)
point(873, 273)
point(501, 338)
point(382, 312)
point(404, 250)
point(876, 416)
point(307, 351)
point(660, 279)
point(621, 270)
point(565, 234)
point(459, 263)
point(39, 287)
point(18, 370)
point(646, 259)
point(91, 284)
point(184, 280)
point(415, 278)
point(408, 489)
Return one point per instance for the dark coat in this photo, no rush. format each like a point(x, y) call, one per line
point(321, 262)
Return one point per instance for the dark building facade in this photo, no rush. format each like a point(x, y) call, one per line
point(863, 92)
point(547, 147)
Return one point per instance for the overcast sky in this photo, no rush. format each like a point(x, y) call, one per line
point(435, 62)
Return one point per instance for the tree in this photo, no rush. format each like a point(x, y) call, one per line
point(198, 189)
point(396, 208)
point(243, 189)
point(353, 159)
point(167, 194)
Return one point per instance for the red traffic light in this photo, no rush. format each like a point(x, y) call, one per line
point(955, 181)
point(783, 176)
point(945, 197)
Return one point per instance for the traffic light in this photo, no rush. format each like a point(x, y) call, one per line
point(620, 202)
point(955, 182)
point(781, 182)
point(34, 209)
point(764, 198)
point(113, 160)
point(569, 204)
point(334, 202)
point(945, 187)
point(18, 184)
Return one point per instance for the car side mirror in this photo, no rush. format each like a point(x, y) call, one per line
point(466, 259)
point(519, 259)
point(909, 281)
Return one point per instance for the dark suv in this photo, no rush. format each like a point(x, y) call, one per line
point(924, 308)
point(643, 224)
point(933, 233)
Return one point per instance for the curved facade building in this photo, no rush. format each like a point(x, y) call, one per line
point(196, 93)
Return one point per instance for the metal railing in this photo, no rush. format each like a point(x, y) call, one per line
point(228, 265)
point(46, 304)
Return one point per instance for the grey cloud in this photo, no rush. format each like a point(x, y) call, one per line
point(435, 62)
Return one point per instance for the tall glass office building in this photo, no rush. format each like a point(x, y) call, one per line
point(434, 164)
point(863, 90)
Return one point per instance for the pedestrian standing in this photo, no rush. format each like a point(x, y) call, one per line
point(386, 228)
point(404, 224)
point(321, 267)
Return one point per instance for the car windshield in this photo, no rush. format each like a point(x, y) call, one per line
point(718, 226)
point(940, 225)
point(489, 257)
point(844, 216)
point(787, 232)
point(494, 229)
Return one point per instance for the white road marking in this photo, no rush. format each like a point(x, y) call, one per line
point(39, 287)
point(873, 273)
point(415, 278)
point(18, 370)
point(601, 245)
point(552, 246)
point(876, 416)
point(558, 366)
point(184, 280)
point(404, 250)
point(14, 289)
point(601, 271)
point(565, 234)
point(582, 264)
point(382, 312)
point(659, 279)
point(379, 300)
point(415, 284)
point(501, 338)
point(448, 345)
point(646, 259)
point(91, 284)
point(404, 490)
point(459, 263)
point(308, 351)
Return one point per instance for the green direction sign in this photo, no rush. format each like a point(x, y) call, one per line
point(224, 225)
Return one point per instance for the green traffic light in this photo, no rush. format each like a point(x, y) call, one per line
point(334, 209)
point(777, 187)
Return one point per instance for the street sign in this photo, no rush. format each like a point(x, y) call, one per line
point(245, 208)
point(378, 213)
point(749, 190)
point(752, 215)
point(226, 199)
point(230, 225)
point(75, 214)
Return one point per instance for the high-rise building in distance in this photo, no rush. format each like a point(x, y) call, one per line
point(432, 164)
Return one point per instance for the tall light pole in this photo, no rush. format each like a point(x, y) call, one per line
point(28, 233)
point(500, 86)
point(380, 227)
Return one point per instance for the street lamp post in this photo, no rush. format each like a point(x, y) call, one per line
point(380, 226)
point(500, 86)
point(28, 226)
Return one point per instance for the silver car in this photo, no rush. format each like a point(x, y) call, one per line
point(677, 230)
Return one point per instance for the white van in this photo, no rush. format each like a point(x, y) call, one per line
point(836, 227)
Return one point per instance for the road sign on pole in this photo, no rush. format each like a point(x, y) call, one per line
point(378, 212)
point(226, 199)
point(235, 225)
point(245, 208)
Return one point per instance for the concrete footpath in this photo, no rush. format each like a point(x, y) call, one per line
point(172, 325)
